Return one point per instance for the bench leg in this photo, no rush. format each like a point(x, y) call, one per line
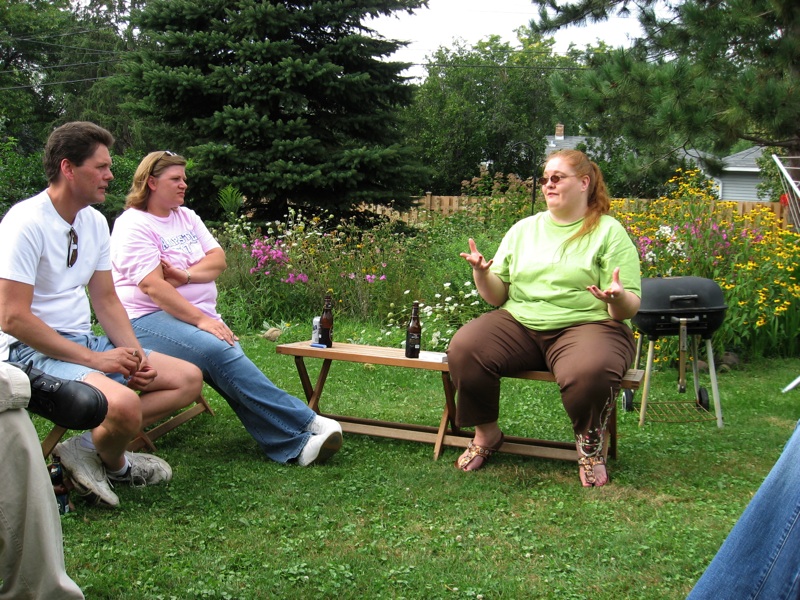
point(49, 443)
point(612, 432)
point(448, 415)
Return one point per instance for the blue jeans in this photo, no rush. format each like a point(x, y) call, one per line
point(276, 419)
point(760, 558)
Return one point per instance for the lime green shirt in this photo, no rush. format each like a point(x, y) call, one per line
point(548, 280)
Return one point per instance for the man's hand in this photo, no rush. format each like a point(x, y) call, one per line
point(142, 378)
point(122, 360)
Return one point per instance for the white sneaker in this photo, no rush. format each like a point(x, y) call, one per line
point(323, 425)
point(84, 467)
point(324, 443)
point(145, 469)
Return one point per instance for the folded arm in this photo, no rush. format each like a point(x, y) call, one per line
point(164, 293)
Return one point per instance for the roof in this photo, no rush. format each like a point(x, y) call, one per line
point(568, 142)
point(744, 161)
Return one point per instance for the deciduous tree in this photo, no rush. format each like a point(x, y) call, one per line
point(489, 103)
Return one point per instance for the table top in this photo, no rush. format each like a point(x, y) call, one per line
point(361, 353)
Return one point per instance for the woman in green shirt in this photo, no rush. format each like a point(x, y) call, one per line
point(566, 281)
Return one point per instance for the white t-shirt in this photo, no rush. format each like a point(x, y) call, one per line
point(138, 244)
point(34, 246)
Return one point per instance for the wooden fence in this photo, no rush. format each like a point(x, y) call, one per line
point(428, 205)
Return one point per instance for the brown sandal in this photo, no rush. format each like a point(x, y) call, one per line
point(588, 463)
point(474, 451)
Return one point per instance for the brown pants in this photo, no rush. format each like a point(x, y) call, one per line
point(588, 362)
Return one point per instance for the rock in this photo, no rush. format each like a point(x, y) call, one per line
point(272, 334)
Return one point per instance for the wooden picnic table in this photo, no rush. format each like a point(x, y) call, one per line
point(447, 433)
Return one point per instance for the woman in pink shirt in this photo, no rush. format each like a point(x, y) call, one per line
point(165, 263)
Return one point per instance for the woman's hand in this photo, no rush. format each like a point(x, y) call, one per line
point(475, 258)
point(622, 305)
point(614, 292)
point(217, 328)
point(172, 275)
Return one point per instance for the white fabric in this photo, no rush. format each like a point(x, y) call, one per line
point(15, 388)
point(34, 244)
point(31, 546)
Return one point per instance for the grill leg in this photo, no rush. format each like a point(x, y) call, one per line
point(651, 350)
point(712, 370)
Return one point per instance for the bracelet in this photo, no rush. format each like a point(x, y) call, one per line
point(188, 276)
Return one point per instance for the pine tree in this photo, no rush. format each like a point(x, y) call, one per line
point(706, 74)
point(286, 101)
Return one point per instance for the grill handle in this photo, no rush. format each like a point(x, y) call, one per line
point(694, 319)
point(685, 299)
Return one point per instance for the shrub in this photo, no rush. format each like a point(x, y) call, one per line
point(690, 232)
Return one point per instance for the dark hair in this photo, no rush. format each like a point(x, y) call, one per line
point(74, 141)
point(152, 165)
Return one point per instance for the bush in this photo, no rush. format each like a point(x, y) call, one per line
point(690, 232)
point(20, 176)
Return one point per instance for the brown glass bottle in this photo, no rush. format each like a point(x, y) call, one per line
point(413, 333)
point(326, 323)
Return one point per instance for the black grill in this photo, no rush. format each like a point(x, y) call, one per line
point(690, 308)
point(666, 301)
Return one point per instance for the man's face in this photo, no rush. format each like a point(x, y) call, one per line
point(90, 180)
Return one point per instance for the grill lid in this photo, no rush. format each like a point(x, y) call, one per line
point(676, 295)
point(666, 301)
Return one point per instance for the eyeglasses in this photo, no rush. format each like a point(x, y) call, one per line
point(155, 162)
point(553, 179)
point(72, 248)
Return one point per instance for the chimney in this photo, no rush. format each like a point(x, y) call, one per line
point(560, 131)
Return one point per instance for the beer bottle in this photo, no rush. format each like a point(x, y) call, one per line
point(326, 323)
point(59, 486)
point(413, 333)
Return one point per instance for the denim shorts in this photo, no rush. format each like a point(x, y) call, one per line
point(21, 353)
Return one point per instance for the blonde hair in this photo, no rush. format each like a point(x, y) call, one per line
point(154, 164)
point(599, 203)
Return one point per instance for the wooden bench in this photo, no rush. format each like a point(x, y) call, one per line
point(447, 433)
point(145, 438)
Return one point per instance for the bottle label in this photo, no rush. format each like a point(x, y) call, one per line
point(412, 345)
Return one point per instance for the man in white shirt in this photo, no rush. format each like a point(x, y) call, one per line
point(54, 248)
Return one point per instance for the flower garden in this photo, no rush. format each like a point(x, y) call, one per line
point(375, 268)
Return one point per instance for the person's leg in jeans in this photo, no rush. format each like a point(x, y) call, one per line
point(277, 420)
point(480, 353)
point(589, 362)
point(760, 558)
point(31, 551)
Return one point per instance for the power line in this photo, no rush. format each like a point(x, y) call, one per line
point(27, 87)
point(65, 66)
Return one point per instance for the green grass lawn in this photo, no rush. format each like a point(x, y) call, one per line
point(384, 520)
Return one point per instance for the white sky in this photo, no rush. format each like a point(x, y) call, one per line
point(473, 20)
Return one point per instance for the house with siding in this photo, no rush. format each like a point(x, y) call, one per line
point(740, 176)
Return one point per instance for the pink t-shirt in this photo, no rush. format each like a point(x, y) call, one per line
point(140, 241)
